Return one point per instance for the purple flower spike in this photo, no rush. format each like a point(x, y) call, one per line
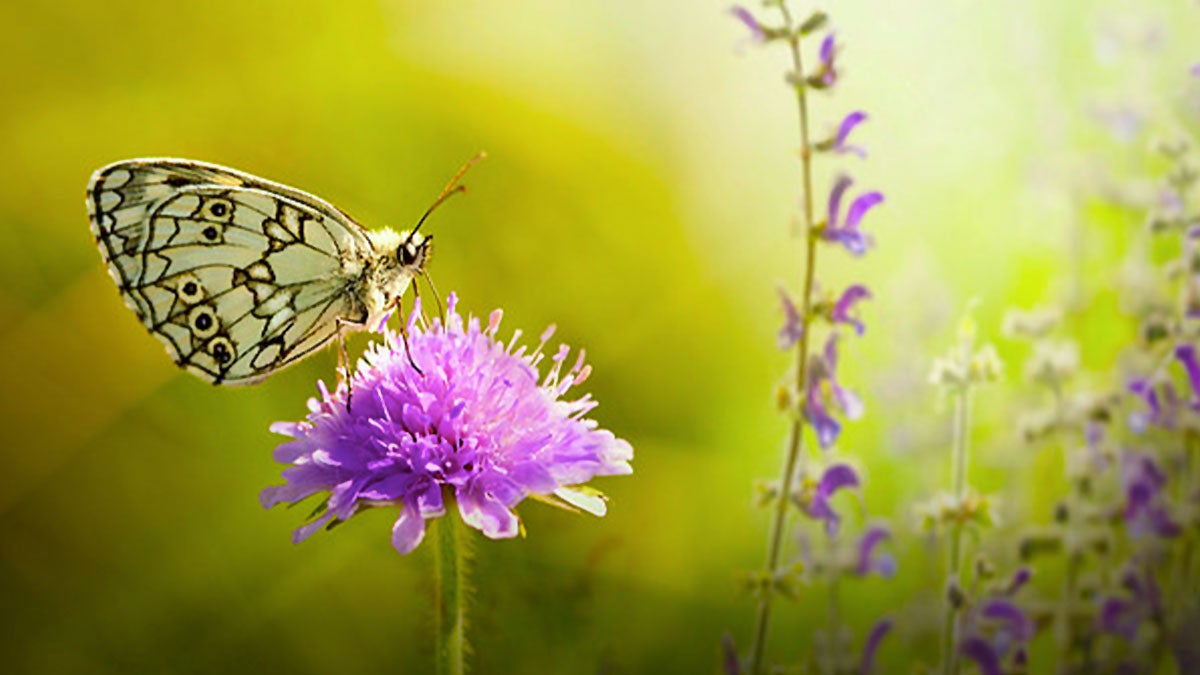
point(883, 564)
point(793, 326)
point(478, 423)
point(842, 310)
point(757, 34)
point(816, 504)
point(1123, 616)
point(871, 645)
point(1139, 421)
point(839, 145)
point(983, 654)
point(849, 235)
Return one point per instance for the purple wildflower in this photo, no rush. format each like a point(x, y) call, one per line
point(824, 390)
point(729, 657)
point(1186, 354)
point(849, 235)
point(1019, 579)
point(793, 326)
point(1145, 511)
point(827, 73)
point(983, 654)
point(1195, 70)
point(1123, 616)
point(838, 143)
point(995, 629)
point(842, 310)
point(816, 495)
point(758, 35)
point(882, 564)
point(1162, 405)
point(871, 645)
point(477, 425)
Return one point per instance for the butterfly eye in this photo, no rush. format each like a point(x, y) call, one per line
point(407, 254)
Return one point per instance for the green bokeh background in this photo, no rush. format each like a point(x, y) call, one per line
point(639, 190)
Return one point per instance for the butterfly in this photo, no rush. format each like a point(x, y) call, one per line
point(240, 276)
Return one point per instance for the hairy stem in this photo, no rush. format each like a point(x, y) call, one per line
point(450, 570)
point(795, 445)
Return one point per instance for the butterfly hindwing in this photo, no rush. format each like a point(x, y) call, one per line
point(237, 276)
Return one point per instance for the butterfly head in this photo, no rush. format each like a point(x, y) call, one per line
point(414, 251)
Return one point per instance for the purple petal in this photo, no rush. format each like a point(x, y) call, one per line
point(848, 123)
point(844, 305)
point(981, 652)
point(866, 549)
point(487, 515)
point(409, 529)
point(757, 34)
point(825, 425)
point(1020, 578)
point(1007, 613)
point(840, 185)
point(1117, 616)
point(1186, 354)
point(835, 478)
point(860, 207)
point(793, 327)
point(871, 645)
point(827, 50)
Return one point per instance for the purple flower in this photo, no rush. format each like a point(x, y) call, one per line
point(815, 496)
point(842, 310)
point(882, 564)
point(793, 326)
point(871, 645)
point(1195, 70)
point(478, 425)
point(849, 235)
point(757, 34)
point(995, 629)
point(1123, 616)
point(729, 657)
point(1145, 511)
point(1162, 405)
point(827, 74)
point(824, 391)
point(983, 654)
point(1019, 579)
point(1186, 354)
point(838, 143)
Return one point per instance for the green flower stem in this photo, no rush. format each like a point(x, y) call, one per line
point(962, 419)
point(796, 437)
point(450, 570)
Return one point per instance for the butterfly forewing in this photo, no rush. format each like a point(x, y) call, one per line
point(236, 275)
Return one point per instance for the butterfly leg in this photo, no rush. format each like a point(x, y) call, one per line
point(343, 368)
point(404, 334)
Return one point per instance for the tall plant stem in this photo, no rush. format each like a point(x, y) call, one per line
point(795, 446)
point(962, 420)
point(450, 569)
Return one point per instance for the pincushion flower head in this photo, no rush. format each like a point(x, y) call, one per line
point(477, 423)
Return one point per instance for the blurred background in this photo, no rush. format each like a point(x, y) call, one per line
point(639, 192)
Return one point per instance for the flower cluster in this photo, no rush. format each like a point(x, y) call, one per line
point(448, 417)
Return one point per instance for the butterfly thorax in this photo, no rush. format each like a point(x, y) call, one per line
point(383, 275)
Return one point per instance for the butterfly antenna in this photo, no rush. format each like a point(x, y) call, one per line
point(452, 188)
point(437, 297)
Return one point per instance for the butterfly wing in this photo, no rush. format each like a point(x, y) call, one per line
point(236, 275)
